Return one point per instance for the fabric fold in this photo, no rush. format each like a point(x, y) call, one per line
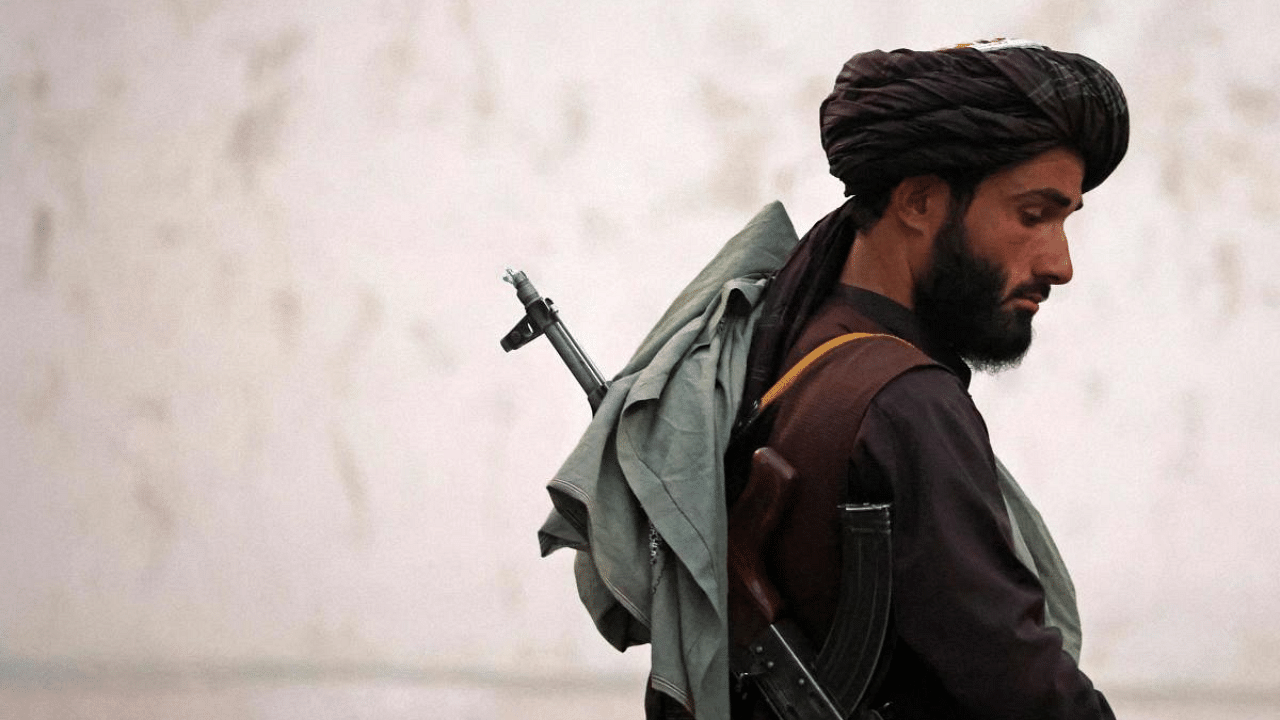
point(641, 496)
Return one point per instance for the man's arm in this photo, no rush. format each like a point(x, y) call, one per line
point(963, 602)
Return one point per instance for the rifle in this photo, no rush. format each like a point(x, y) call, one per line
point(798, 681)
point(541, 317)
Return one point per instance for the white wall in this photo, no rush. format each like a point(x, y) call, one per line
point(262, 456)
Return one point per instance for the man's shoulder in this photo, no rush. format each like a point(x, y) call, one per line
point(925, 395)
point(879, 359)
point(850, 375)
point(891, 375)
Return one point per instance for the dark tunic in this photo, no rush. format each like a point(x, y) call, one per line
point(967, 635)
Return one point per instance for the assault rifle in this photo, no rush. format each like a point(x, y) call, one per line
point(542, 318)
point(766, 648)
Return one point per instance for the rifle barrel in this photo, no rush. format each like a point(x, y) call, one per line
point(542, 318)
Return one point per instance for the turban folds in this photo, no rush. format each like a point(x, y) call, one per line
point(972, 108)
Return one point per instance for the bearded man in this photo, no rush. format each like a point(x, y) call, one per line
point(961, 167)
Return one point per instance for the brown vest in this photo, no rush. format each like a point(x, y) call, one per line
point(814, 428)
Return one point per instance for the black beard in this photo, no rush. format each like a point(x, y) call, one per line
point(959, 301)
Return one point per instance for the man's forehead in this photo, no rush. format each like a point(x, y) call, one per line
point(1055, 176)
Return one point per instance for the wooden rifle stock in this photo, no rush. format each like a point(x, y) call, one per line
point(767, 647)
point(754, 601)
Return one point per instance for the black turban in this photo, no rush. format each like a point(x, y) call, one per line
point(963, 112)
point(897, 114)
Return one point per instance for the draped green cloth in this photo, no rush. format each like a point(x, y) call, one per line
point(641, 497)
point(1036, 549)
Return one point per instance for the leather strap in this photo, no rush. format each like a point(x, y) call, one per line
point(800, 368)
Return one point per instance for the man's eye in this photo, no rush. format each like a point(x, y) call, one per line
point(1031, 217)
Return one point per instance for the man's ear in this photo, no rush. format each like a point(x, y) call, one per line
point(920, 204)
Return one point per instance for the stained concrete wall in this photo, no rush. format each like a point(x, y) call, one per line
point(262, 456)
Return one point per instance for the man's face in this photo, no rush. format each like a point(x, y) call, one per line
point(994, 261)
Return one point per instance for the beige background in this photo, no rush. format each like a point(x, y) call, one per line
point(262, 457)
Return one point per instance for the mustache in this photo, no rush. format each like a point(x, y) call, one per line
point(1035, 291)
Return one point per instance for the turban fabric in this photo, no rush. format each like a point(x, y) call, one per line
point(897, 114)
point(963, 112)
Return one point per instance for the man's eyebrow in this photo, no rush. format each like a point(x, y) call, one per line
point(1052, 195)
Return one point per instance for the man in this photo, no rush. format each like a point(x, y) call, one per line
point(962, 166)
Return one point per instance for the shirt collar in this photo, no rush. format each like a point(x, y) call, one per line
point(898, 320)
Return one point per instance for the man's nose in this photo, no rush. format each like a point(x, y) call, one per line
point(1053, 263)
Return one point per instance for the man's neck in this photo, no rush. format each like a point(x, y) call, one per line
point(881, 267)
